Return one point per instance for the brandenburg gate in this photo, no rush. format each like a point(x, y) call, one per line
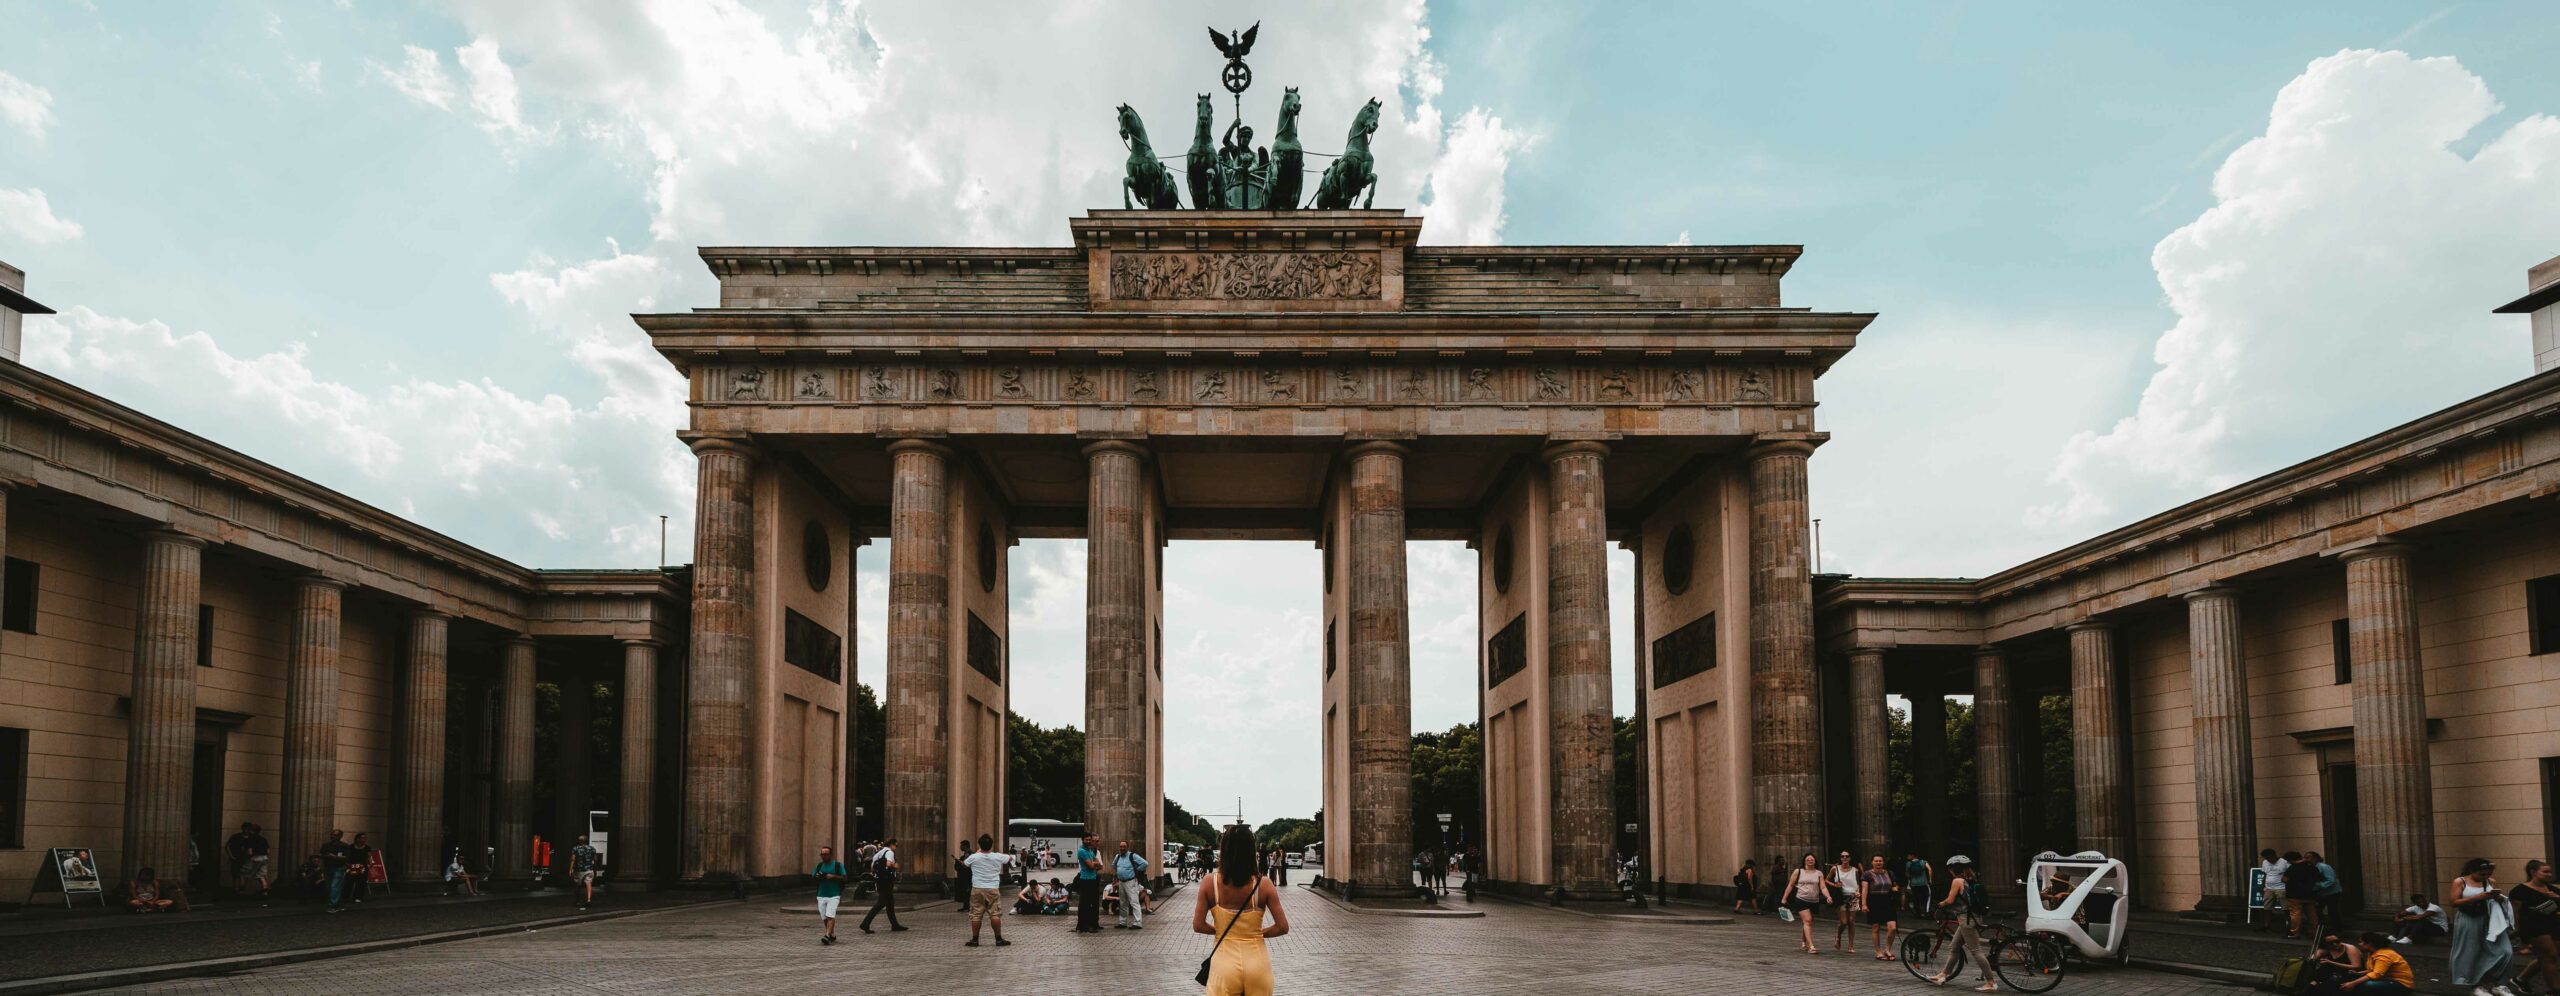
point(1300, 376)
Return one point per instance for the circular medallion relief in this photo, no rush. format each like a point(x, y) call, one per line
point(1679, 559)
point(986, 554)
point(1502, 561)
point(817, 556)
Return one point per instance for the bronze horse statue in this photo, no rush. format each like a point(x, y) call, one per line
point(1147, 179)
point(1288, 158)
point(1201, 164)
point(1356, 170)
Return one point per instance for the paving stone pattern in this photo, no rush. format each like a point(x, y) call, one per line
point(754, 947)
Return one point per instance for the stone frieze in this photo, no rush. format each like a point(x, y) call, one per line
point(1232, 384)
point(1249, 276)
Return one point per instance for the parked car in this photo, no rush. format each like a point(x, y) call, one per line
point(1296, 860)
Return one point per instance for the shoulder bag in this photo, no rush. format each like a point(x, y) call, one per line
point(1254, 889)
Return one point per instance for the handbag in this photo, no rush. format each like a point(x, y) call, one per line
point(1203, 977)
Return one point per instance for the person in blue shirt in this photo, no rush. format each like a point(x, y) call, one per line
point(1128, 872)
point(831, 876)
point(1088, 887)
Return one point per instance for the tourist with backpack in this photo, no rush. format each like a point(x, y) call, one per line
point(884, 878)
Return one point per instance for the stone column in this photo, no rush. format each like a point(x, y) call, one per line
point(1866, 750)
point(418, 850)
point(4, 531)
point(1786, 714)
point(1581, 744)
point(1115, 644)
point(2101, 799)
point(161, 740)
point(1380, 682)
point(2394, 788)
point(2226, 814)
point(632, 842)
point(719, 804)
point(1928, 767)
point(573, 771)
point(917, 776)
point(1995, 754)
point(515, 760)
point(311, 718)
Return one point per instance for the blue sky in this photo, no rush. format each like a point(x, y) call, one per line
point(2122, 255)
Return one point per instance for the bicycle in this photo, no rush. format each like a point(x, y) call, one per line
point(2026, 962)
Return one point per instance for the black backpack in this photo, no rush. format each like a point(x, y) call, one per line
point(880, 870)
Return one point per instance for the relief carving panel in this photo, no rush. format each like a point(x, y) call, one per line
point(1264, 276)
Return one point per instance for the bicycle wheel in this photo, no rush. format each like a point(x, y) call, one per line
point(2028, 964)
point(1926, 952)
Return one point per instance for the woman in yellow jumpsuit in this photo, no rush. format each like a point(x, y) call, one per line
point(1233, 902)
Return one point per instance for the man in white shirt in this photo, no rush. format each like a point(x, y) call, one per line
point(2418, 921)
point(986, 880)
point(2273, 889)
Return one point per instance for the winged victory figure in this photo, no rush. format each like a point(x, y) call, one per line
point(1234, 45)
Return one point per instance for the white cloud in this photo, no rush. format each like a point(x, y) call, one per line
point(2339, 284)
point(421, 76)
point(29, 216)
point(493, 89)
point(26, 105)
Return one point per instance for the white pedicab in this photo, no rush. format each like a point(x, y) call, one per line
point(2091, 906)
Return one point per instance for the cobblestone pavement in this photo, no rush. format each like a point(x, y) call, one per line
point(754, 947)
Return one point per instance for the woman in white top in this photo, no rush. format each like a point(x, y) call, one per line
point(1844, 892)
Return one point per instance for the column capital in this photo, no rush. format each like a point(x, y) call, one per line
point(1990, 650)
point(2369, 551)
point(1560, 449)
point(915, 445)
point(1769, 446)
point(519, 640)
point(709, 442)
point(2090, 626)
point(1378, 446)
point(1129, 446)
point(319, 580)
point(643, 641)
point(178, 537)
point(2216, 590)
point(1868, 648)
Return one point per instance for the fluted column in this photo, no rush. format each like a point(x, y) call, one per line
point(719, 804)
point(161, 739)
point(311, 717)
point(633, 840)
point(2226, 816)
point(418, 850)
point(1581, 744)
point(1380, 682)
point(2394, 788)
point(1115, 643)
point(4, 533)
point(1995, 779)
point(1928, 767)
point(917, 776)
point(2102, 798)
point(515, 760)
point(1786, 715)
point(1866, 750)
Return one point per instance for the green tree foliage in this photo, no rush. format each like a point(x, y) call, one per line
point(2053, 717)
point(1044, 773)
point(871, 757)
point(1448, 777)
point(1290, 832)
point(1180, 827)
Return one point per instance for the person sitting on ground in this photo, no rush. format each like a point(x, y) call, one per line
point(2333, 964)
point(311, 881)
point(2386, 973)
point(457, 878)
point(1053, 898)
point(2418, 921)
point(1111, 899)
point(144, 893)
point(1027, 901)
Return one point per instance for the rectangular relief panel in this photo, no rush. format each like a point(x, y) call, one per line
point(1507, 653)
point(812, 647)
point(1685, 652)
point(986, 650)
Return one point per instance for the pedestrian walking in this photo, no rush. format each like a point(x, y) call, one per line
point(1231, 908)
point(2271, 891)
point(1128, 873)
point(1880, 894)
point(585, 863)
point(831, 875)
point(2537, 906)
point(1845, 888)
point(1959, 914)
point(1807, 891)
point(249, 863)
point(1089, 886)
point(986, 882)
point(884, 885)
point(2481, 922)
point(1746, 887)
point(1918, 880)
point(334, 858)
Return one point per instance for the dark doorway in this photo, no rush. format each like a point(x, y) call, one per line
point(204, 807)
point(2338, 817)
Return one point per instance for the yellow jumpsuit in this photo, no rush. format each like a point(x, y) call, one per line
point(1242, 965)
